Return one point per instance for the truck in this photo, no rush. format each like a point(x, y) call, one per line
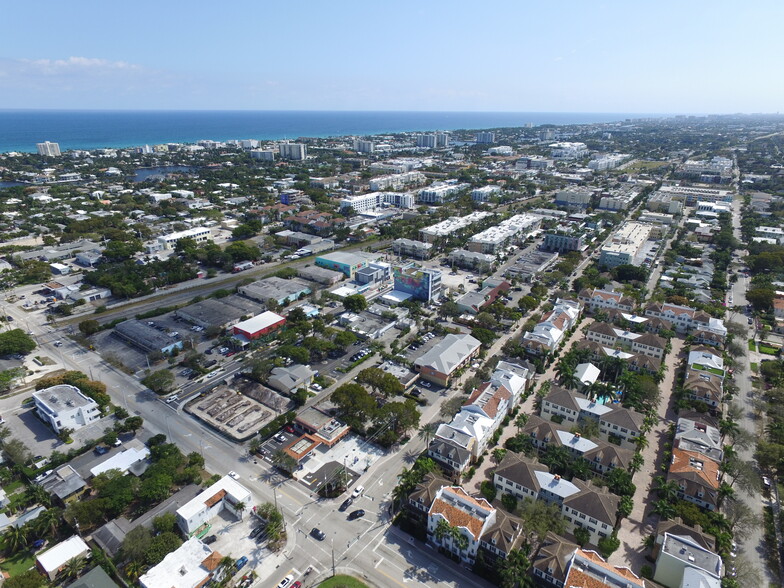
point(241, 267)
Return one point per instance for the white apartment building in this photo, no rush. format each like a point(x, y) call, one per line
point(471, 516)
point(484, 193)
point(690, 195)
point(501, 150)
point(440, 192)
point(485, 137)
point(771, 233)
point(626, 244)
point(568, 150)
point(608, 161)
point(533, 162)
point(396, 181)
point(65, 407)
point(263, 154)
point(510, 231)
point(575, 197)
point(191, 565)
point(293, 151)
point(49, 149)
point(372, 201)
point(364, 146)
point(451, 225)
point(426, 141)
point(198, 234)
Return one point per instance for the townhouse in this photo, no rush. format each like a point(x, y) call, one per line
point(548, 334)
point(695, 435)
point(597, 299)
point(550, 564)
point(642, 343)
point(697, 477)
point(446, 357)
point(634, 361)
point(470, 518)
point(600, 455)
point(616, 423)
point(686, 319)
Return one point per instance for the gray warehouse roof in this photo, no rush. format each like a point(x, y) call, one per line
point(219, 312)
point(273, 288)
point(143, 335)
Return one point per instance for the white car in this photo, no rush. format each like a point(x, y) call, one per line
point(357, 492)
point(234, 475)
point(286, 581)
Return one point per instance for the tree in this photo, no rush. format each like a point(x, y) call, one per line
point(509, 502)
point(540, 517)
point(133, 570)
point(663, 509)
point(155, 488)
point(17, 451)
point(382, 382)
point(15, 538)
point(15, 341)
point(159, 381)
point(284, 461)
point(72, 569)
point(625, 507)
point(48, 522)
point(354, 405)
point(165, 523)
point(514, 570)
point(345, 339)
point(161, 546)
point(36, 494)
point(355, 303)
point(582, 536)
point(89, 327)
point(619, 481)
point(133, 424)
point(452, 406)
point(427, 431)
point(484, 336)
point(135, 544)
point(240, 508)
point(608, 545)
point(27, 579)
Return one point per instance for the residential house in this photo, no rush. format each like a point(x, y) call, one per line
point(624, 424)
point(683, 562)
point(51, 561)
point(516, 475)
point(550, 564)
point(592, 508)
point(696, 436)
point(646, 344)
point(588, 569)
point(421, 499)
point(472, 517)
point(697, 477)
point(548, 334)
point(704, 387)
point(63, 484)
point(446, 357)
point(677, 527)
point(225, 494)
point(685, 319)
point(605, 300)
point(452, 450)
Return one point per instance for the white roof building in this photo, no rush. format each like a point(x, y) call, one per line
point(65, 407)
point(50, 562)
point(587, 373)
point(122, 461)
point(225, 493)
point(191, 565)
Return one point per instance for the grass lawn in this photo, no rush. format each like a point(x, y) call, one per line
point(754, 366)
point(19, 563)
point(752, 345)
point(342, 582)
point(767, 350)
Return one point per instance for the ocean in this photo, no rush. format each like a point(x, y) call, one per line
point(20, 130)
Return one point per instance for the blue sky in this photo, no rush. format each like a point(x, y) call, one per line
point(557, 56)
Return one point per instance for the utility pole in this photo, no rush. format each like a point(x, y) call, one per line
point(333, 558)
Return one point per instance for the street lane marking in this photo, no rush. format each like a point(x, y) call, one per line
point(378, 563)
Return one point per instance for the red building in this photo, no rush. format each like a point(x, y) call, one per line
point(259, 326)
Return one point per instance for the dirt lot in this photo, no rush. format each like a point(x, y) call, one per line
point(231, 413)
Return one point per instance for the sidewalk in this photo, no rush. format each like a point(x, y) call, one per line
point(638, 525)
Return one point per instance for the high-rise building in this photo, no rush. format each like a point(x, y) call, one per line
point(442, 139)
point(49, 149)
point(363, 146)
point(427, 141)
point(294, 151)
point(485, 137)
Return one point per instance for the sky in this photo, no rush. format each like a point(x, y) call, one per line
point(430, 55)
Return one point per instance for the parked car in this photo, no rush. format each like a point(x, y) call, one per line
point(426, 384)
point(234, 475)
point(286, 581)
point(346, 503)
point(210, 539)
point(241, 562)
point(256, 532)
point(101, 449)
point(359, 513)
point(357, 492)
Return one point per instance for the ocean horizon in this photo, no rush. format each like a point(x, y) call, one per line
point(21, 129)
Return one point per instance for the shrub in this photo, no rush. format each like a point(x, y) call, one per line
point(608, 545)
point(488, 490)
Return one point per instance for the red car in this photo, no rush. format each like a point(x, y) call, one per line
point(230, 353)
point(289, 429)
point(297, 584)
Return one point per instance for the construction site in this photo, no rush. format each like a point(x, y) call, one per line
point(236, 414)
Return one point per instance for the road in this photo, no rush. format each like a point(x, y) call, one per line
point(753, 548)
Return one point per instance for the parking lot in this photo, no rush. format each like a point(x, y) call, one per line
point(230, 412)
point(232, 538)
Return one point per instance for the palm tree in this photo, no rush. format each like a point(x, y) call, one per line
point(48, 522)
point(625, 507)
point(443, 529)
point(728, 427)
point(636, 463)
point(427, 432)
point(521, 421)
point(567, 375)
point(133, 570)
point(37, 495)
point(498, 455)
point(725, 491)
point(663, 509)
point(641, 443)
point(514, 570)
point(667, 491)
point(240, 507)
point(15, 538)
point(72, 569)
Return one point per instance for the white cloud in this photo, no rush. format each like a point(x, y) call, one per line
point(77, 65)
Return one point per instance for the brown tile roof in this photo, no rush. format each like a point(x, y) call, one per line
point(625, 417)
point(579, 578)
point(602, 328)
point(652, 340)
point(215, 498)
point(555, 555)
point(703, 469)
point(426, 490)
point(520, 470)
point(677, 527)
point(212, 561)
point(594, 502)
point(457, 517)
